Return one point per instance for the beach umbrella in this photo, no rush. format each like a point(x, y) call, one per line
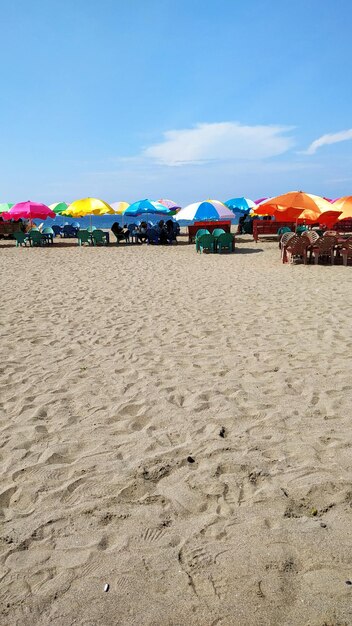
point(143, 207)
point(58, 207)
point(5, 206)
point(171, 205)
point(88, 206)
point(344, 205)
point(28, 210)
point(260, 200)
point(290, 206)
point(206, 210)
point(119, 207)
point(240, 205)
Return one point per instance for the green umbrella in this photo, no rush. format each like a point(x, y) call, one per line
point(5, 206)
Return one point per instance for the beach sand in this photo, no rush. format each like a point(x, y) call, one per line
point(177, 426)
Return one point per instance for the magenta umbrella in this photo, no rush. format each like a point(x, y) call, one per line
point(170, 204)
point(28, 210)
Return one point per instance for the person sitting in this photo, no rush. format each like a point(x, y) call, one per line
point(118, 231)
point(142, 232)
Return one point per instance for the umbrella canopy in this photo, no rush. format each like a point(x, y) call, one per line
point(119, 207)
point(171, 205)
point(58, 207)
point(259, 200)
point(207, 210)
point(344, 205)
point(290, 206)
point(5, 206)
point(146, 206)
point(28, 210)
point(88, 206)
point(240, 205)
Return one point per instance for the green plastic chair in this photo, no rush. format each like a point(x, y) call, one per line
point(301, 229)
point(35, 238)
point(217, 232)
point(283, 230)
point(83, 236)
point(205, 242)
point(99, 237)
point(200, 232)
point(20, 238)
point(225, 242)
point(49, 234)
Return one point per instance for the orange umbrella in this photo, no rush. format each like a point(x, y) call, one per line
point(297, 205)
point(345, 206)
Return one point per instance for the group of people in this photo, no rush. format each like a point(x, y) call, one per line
point(164, 232)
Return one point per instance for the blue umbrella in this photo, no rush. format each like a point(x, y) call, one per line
point(240, 205)
point(146, 206)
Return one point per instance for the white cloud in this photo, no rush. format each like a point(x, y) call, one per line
point(328, 139)
point(220, 141)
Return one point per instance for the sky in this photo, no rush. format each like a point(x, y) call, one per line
point(180, 99)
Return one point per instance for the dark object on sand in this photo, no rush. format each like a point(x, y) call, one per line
point(190, 459)
point(222, 432)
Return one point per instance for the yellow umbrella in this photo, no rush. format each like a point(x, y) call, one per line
point(88, 206)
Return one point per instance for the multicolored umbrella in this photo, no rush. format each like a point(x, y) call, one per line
point(207, 210)
point(171, 205)
point(5, 206)
point(240, 205)
point(28, 210)
point(58, 207)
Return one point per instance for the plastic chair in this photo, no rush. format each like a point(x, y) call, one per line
point(205, 242)
point(83, 236)
point(324, 247)
point(69, 231)
point(91, 229)
point(35, 238)
point(217, 232)
point(346, 251)
point(225, 241)
point(283, 230)
point(200, 232)
point(57, 230)
point(20, 238)
point(99, 237)
point(295, 248)
point(301, 229)
point(49, 234)
point(283, 241)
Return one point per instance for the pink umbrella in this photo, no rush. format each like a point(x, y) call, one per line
point(28, 210)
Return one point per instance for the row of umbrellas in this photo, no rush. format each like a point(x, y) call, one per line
point(291, 206)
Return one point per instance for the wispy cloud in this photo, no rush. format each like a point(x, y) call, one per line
point(218, 142)
point(328, 139)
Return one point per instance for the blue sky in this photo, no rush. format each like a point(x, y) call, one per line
point(185, 99)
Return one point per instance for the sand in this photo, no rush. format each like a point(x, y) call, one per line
point(177, 426)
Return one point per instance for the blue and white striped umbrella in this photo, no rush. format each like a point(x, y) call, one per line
point(207, 210)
